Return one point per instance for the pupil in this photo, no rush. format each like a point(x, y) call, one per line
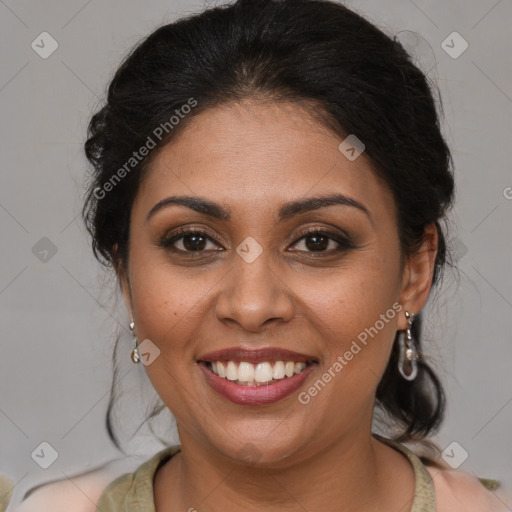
point(317, 245)
point(192, 246)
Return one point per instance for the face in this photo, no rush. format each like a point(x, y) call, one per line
point(261, 277)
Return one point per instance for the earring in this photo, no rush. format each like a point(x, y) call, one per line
point(407, 365)
point(135, 352)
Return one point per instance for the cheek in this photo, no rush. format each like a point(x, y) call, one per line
point(170, 308)
point(167, 304)
point(356, 311)
point(173, 304)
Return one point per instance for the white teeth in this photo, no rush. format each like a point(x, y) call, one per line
point(246, 372)
point(255, 375)
point(263, 372)
point(299, 367)
point(231, 371)
point(278, 371)
point(221, 369)
point(289, 368)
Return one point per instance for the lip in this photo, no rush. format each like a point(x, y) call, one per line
point(255, 395)
point(254, 356)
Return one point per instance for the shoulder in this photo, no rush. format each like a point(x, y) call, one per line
point(79, 493)
point(6, 488)
point(458, 490)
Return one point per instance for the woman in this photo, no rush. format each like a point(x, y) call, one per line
point(270, 183)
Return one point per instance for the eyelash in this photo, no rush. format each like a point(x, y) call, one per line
point(344, 242)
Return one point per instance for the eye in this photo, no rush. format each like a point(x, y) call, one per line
point(319, 241)
point(191, 240)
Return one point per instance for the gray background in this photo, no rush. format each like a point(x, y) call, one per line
point(58, 316)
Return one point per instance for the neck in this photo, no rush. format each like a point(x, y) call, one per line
point(355, 472)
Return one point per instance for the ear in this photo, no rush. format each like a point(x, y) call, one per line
point(417, 275)
point(124, 281)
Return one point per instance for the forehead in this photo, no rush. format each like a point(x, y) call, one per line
point(251, 154)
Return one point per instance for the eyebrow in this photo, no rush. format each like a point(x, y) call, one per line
point(287, 210)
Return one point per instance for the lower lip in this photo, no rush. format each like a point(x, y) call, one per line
point(255, 395)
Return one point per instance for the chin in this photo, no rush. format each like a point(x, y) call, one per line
point(259, 451)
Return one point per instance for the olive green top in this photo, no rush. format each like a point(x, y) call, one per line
point(6, 488)
point(133, 492)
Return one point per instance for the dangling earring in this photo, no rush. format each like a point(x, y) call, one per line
point(407, 365)
point(135, 352)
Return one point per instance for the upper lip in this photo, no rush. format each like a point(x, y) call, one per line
point(259, 355)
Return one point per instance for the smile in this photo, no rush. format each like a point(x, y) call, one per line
point(256, 377)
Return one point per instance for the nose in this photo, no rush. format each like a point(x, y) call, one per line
point(254, 296)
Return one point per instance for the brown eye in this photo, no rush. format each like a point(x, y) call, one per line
point(322, 242)
point(188, 240)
